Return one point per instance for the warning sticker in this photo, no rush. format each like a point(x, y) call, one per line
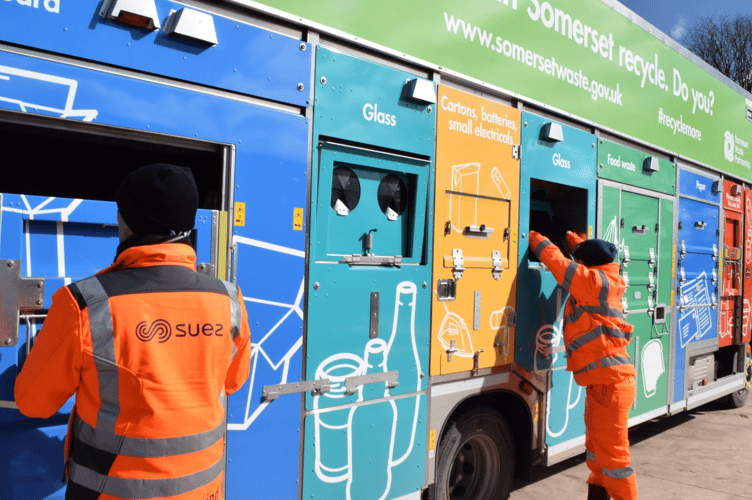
point(239, 213)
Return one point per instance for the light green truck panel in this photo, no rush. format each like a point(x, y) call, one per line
point(622, 164)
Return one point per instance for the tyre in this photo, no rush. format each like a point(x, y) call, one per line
point(476, 458)
point(737, 399)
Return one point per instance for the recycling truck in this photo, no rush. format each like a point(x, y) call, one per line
point(368, 174)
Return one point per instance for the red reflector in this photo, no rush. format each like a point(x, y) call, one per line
point(134, 20)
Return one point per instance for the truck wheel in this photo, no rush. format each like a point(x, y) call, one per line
point(476, 458)
point(737, 399)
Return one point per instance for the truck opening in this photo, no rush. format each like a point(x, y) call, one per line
point(88, 161)
point(550, 200)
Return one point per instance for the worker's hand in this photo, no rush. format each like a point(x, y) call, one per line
point(532, 235)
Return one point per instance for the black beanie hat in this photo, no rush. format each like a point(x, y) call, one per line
point(158, 199)
point(595, 252)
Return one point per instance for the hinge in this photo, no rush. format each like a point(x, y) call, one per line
point(496, 261)
point(516, 151)
point(458, 262)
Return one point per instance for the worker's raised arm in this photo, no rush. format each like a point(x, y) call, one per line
point(565, 270)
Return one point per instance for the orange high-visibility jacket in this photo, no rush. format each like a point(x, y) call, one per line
point(151, 348)
point(595, 332)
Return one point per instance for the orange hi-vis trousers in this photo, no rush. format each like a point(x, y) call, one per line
point(607, 440)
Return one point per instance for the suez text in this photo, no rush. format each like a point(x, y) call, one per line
point(372, 114)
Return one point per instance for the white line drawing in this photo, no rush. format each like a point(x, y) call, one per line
point(337, 431)
point(259, 357)
point(39, 209)
point(566, 407)
point(546, 338)
point(499, 321)
point(501, 185)
point(694, 322)
point(454, 328)
point(652, 366)
point(17, 84)
point(465, 179)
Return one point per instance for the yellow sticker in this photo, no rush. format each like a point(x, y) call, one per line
point(590, 232)
point(239, 213)
point(297, 219)
point(432, 440)
point(535, 412)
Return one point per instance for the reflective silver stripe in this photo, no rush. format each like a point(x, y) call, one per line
point(614, 361)
point(236, 311)
point(622, 473)
point(103, 344)
point(143, 488)
point(582, 340)
point(541, 246)
point(594, 334)
point(147, 447)
point(605, 362)
point(569, 275)
point(589, 455)
point(591, 366)
point(605, 286)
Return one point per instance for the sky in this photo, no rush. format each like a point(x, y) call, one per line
point(673, 16)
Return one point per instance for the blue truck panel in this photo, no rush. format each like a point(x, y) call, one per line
point(246, 59)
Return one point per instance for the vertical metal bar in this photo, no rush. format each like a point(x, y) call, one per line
point(373, 327)
point(637, 368)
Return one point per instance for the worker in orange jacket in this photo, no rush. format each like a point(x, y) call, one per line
point(595, 338)
point(150, 348)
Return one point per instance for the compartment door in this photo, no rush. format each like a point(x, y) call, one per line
point(638, 227)
point(747, 268)
point(475, 236)
point(367, 324)
point(730, 303)
point(697, 284)
point(697, 271)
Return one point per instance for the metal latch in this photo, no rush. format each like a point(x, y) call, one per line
point(650, 304)
point(713, 301)
point(496, 261)
point(701, 224)
point(651, 253)
point(625, 262)
point(352, 383)
point(458, 262)
point(372, 260)
point(625, 277)
point(476, 360)
point(478, 231)
point(651, 282)
point(683, 248)
point(623, 304)
point(317, 387)
point(516, 151)
point(714, 273)
point(452, 349)
point(641, 230)
point(16, 294)
point(715, 252)
point(682, 277)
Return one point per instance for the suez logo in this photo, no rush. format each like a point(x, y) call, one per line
point(49, 5)
point(561, 162)
point(162, 330)
point(372, 114)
